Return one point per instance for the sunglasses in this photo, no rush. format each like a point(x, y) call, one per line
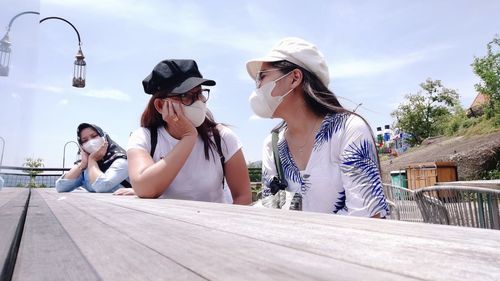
point(189, 98)
point(262, 74)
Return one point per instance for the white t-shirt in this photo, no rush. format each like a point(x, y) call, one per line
point(342, 174)
point(199, 179)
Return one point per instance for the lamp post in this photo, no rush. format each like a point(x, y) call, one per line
point(64, 151)
point(1, 157)
point(5, 44)
point(354, 110)
point(80, 65)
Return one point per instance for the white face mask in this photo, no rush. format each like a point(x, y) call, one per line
point(93, 145)
point(263, 103)
point(196, 112)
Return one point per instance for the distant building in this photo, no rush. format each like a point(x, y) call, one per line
point(477, 106)
point(392, 140)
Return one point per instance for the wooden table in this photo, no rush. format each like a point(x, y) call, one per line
point(85, 236)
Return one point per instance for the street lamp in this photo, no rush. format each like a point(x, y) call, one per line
point(354, 110)
point(64, 151)
point(80, 65)
point(1, 157)
point(5, 55)
point(5, 44)
point(79, 70)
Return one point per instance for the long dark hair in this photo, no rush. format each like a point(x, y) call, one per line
point(152, 119)
point(319, 99)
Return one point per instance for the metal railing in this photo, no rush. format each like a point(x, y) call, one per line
point(403, 204)
point(460, 205)
point(16, 177)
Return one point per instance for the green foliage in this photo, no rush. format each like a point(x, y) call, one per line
point(435, 110)
point(493, 174)
point(32, 163)
point(488, 69)
point(455, 122)
point(460, 124)
point(424, 114)
point(256, 191)
point(32, 183)
point(493, 112)
point(255, 174)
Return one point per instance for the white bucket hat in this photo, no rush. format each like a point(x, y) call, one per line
point(297, 51)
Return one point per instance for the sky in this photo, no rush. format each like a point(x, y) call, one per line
point(377, 52)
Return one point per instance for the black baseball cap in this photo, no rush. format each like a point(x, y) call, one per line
point(174, 76)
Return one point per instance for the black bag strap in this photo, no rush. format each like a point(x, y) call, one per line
point(217, 139)
point(277, 161)
point(277, 183)
point(154, 140)
point(126, 184)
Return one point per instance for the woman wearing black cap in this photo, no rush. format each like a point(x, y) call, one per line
point(180, 152)
point(103, 166)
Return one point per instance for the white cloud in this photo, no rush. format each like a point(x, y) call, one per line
point(113, 94)
point(107, 94)
point(255, 117)
point(357, 68)
point(63, 102)
point(119, 7)
point(15, 96)
point(185, 19)
point(43, 88)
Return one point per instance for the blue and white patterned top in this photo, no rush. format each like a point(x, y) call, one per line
point(342, 175)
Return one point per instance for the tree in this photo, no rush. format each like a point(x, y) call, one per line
point(423, 114)
point(488, 69)
point(32, 163)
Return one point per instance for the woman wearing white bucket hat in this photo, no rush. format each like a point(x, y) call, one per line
point(326, 159)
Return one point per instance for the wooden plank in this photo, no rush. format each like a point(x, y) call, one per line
point(113, 255)
point(208, 250)
point(408, 249)
point(46, 251)
point(446, 174)
point(8, 193)
point(12, 205)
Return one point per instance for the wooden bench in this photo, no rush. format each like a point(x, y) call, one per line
point(13, 208)
point(85, 236)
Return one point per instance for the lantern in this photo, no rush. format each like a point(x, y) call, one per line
point(79, 70)
point(5, 55)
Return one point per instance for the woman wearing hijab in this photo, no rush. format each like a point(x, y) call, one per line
point(103, 166)
point(180, 152)
point(322, 156)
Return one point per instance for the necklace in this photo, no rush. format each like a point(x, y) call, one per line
point(300, 148)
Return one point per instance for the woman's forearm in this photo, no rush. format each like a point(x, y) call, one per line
point(93, 170)
point(243, 199)
point(74, 172)
point(153, 180)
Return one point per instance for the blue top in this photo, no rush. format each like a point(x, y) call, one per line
point(342, 175)
point(108, 182)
